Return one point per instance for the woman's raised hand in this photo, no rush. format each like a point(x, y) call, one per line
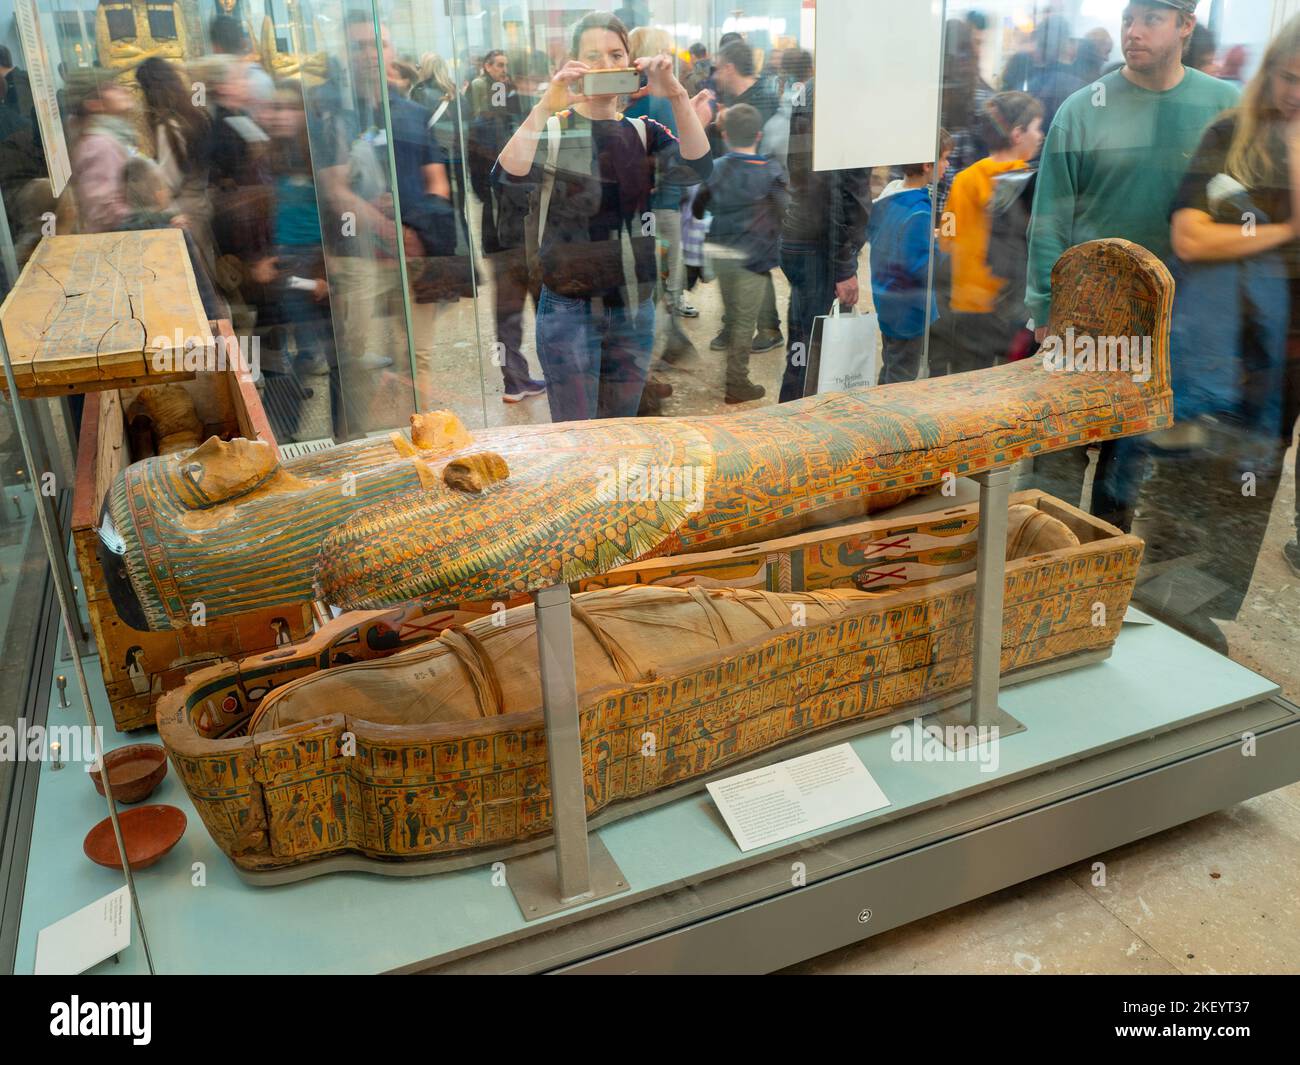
point(560, 92)
point(659, 77)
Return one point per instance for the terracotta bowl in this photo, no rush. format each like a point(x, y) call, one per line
point(133, 771)
point(148, 832)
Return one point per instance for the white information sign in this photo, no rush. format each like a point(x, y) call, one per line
point(85, 938)
point(44, 95)
point(797, 796)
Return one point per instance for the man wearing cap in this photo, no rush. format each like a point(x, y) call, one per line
point(1113, 162)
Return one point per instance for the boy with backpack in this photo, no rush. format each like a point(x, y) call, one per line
point(746, 194)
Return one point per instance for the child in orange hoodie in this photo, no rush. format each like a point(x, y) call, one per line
point(974, 334)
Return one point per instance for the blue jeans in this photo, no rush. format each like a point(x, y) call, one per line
point(595, 356)
point(1228, 345)
point(812, 290)
point(901, 359)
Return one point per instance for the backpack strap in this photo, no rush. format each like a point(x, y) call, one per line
point(433, 119)
point(639, 125)
point(553, 135)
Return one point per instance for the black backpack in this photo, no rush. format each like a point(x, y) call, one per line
point(1010, 209)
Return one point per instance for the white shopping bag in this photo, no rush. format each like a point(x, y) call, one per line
point(849, 352)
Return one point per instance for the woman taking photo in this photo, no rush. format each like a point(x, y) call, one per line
point(591, 172)
point(1235, 343)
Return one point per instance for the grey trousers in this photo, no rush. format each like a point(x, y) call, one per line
point(743, 295)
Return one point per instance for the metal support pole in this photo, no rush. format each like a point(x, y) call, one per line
point(582, 869)
point(990, 594)
point(969, 724)
point(54, 550)
point(563, 746)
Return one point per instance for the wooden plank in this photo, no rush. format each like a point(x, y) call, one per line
point(21, 331)
point(253, 423)
point(88, 310)
point(33, 390)
point(84, 507)
point(101, 455)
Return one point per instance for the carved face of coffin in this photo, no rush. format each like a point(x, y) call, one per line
point(218, 471)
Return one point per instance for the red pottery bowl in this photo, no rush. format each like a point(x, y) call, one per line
point(148, 832)
point(133, 771)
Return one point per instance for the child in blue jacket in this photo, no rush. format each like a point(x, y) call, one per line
point(900, 232)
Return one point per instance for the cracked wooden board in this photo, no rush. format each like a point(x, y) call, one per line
point(87, 310)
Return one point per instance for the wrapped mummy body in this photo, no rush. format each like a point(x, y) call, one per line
point(624, 636)
point(520, 508)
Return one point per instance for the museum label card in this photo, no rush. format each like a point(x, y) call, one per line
point(797, 796)
point(85, 938)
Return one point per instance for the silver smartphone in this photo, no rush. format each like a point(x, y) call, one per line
point(614, 82)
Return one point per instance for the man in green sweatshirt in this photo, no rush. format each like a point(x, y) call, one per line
point(1118, 149)
point(1112, 164)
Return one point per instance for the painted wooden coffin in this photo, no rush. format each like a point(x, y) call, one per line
point(818, 661)
point(377, 523)
point(139, 666)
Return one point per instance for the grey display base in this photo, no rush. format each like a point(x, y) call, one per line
point(533, 881)
point(867, 881)
point(955, 726)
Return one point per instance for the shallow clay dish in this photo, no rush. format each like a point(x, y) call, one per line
point(133, 771)
point(148, 832)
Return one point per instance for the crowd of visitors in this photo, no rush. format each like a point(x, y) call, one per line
point(341, 215)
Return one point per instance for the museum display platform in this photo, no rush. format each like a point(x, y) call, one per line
point(1163, 731)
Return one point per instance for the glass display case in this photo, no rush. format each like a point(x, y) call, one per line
point(668, 486)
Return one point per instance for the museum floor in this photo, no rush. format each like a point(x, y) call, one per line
point(1218, 895)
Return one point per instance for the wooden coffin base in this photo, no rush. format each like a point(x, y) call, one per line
point(352, 862)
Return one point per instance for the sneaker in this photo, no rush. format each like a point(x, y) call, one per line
point(678, 348)
point(658, 389)
point(766, 341)
point(1185, 436)
point(746, 392)
point(685, 308)
point(1291, 552)
point(719, 342)
point(372, 361)
point(530, 388)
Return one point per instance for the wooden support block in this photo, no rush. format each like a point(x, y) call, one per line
point(89, 310)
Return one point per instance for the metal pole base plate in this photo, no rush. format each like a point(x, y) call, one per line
point(533, 881)
point(958, 733)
